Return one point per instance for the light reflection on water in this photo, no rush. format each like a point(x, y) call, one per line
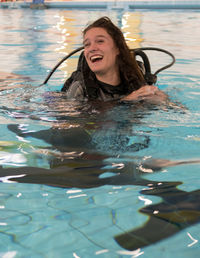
point(100, 146)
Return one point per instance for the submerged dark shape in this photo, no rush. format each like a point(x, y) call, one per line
point(80, 138)
point(177, 210)
point(60, 139)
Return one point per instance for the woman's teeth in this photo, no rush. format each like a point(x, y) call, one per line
point(96, 58)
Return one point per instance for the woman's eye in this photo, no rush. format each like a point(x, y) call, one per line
point(100, 41)
point(86, 45)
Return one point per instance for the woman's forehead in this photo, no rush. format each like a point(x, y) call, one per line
point(96, 31)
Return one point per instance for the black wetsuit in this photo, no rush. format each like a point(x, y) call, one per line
point(83, 85)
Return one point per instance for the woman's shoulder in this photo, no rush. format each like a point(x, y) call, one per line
point(75, 77)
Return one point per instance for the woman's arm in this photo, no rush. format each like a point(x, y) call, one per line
point(151, 93)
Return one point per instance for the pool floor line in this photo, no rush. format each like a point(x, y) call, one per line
point(124, 5)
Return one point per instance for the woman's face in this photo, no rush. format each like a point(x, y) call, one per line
point(100, 51)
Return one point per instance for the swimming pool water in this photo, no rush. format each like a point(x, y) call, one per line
point(80, 193)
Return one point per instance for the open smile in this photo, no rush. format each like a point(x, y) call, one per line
point(96, 58)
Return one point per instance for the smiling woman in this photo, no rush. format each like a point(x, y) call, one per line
point(101, 54)
point(107, 69)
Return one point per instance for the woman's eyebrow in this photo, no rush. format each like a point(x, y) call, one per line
point(100, 36)
point(97, 36)
point(85, 40)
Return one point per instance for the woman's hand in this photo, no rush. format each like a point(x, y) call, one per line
point(150, 93)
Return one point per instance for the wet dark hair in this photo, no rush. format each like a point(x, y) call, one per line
point(128, 65)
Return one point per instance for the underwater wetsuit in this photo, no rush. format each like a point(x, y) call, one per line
point(83, 84)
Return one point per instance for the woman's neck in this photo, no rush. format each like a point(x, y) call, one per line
point(111, 79)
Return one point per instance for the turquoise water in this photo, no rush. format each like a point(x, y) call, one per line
point(71, 183)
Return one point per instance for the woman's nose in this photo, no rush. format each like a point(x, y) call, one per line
point(93, 46)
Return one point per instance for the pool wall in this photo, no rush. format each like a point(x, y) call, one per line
point(104, 4)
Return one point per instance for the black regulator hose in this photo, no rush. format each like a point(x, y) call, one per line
point(61, 61)
point(160, 50)
point(149, 77)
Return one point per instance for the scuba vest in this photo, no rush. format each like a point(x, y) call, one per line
point(83, 84)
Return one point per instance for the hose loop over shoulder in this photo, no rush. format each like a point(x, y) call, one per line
point(149, 77)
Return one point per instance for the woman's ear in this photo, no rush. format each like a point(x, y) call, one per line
point(118, 52)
